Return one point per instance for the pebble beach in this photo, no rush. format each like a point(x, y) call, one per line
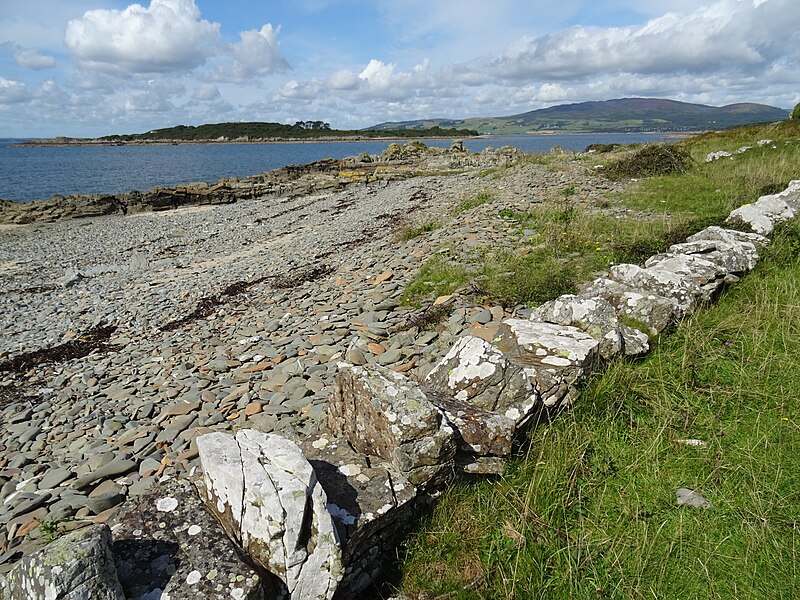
point(210, 318)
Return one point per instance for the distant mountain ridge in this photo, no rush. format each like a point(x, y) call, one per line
point(620, 115)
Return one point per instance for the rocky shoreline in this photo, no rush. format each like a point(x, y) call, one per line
point(132, 325)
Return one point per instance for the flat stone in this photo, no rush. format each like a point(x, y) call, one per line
point(118, 466)
point(54, 478)
point(688, 497)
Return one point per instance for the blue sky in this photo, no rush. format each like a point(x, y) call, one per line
point(95, 67)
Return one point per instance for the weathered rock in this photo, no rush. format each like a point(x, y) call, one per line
point(791, 195)
point(660, 282)
point(269, 500)
point(598, 318)
point(484, 438)
point(383, 414)
point(77, 565)
point(708, 276)
point(167, 543)
point(762, 215)
point(735, 258)
point(732, 236)
point(775, 208)
point(530, 365)
point(371, 502)
point(476, 372)
point(751, 216)
point(638, 307)
point(555, 357)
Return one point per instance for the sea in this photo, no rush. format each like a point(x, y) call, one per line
point(40, 172)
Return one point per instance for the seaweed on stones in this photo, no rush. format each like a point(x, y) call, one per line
point(95, 339)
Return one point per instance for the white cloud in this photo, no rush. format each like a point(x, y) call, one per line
point(376, 81)
point(206, 92)
point(166, 36)
point(31, 59)
point(727, 35)
point(12, 92)
point(258, 53)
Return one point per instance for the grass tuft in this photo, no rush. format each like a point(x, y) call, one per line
point(408, 231)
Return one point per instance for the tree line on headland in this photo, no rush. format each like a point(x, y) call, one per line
point(271, 131)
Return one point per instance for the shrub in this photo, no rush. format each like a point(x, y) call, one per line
point(796, 113)
point(601, 148)
point(651, 160)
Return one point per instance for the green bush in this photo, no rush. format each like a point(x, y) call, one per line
point(796, 113)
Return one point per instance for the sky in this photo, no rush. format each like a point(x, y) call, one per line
point(97, 67)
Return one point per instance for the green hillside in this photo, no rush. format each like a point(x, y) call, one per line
point(622, 115)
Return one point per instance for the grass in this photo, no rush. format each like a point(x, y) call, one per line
point(572, 242)
point(716, 188)
point(438, 276)
point(408, 231)
point(480, 198)
point(589, 510)
point(552, 249)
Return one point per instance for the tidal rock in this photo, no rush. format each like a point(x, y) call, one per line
point(598, 318)
point(268, 498)
point(77, 565)
point(167, 544)
point(383, 414)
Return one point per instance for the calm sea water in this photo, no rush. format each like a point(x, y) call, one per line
point(36, 173)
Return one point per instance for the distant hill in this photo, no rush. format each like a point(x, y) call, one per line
point(622, 115)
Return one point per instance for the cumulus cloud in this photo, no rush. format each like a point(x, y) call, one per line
point(258, 53)
point(724, 35)
point(166, 36)
point(31, 59)
point(12, 92)
point(376, 81)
